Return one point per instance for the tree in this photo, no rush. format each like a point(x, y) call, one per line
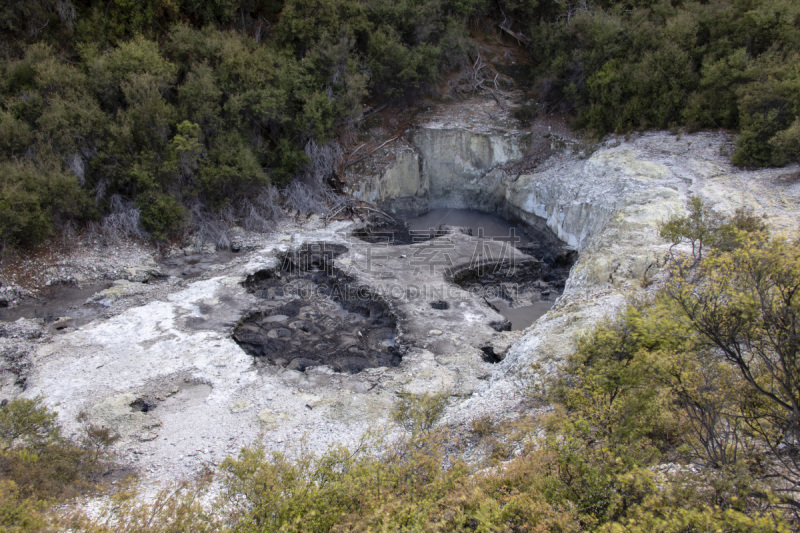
point(745, 303)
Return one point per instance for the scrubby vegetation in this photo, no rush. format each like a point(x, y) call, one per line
point(39, 467)
point(631, 65)
point(164, 115)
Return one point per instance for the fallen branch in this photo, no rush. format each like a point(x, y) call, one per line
point(351, 154)
point(373, 111)
point(329, 216)
point(518, 36)
point(372, 151)
point(385, 143)
point(377, 211)
point(502, 106)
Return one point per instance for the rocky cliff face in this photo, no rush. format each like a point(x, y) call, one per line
point(445, 166)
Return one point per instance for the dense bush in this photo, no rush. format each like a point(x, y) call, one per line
point(40, 467)
point(623, 66)
point(33, 197)
point(107, 92)
point(189, 108)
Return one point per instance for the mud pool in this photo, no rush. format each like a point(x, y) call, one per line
point(322, 306)
point(522, 295)
point(313, 314)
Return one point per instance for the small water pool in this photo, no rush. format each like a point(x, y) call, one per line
point(480, 225)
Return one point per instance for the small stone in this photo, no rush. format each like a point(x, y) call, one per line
point(435, 332)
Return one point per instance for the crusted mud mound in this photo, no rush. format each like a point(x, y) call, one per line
point(313, 314)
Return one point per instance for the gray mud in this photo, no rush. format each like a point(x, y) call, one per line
point(194, 265)
point(521, 291)
point(59, 302)
point(313, 314)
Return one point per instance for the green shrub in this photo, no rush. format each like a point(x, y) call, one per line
point(18, 513)
point(161, 214)
point(787, 142)
point(419, 412)
point(37, 463)
point(33, 198)
point(15, 135)
point(130, 59)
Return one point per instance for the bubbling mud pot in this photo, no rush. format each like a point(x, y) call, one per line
point(521, 291)
point(313, 314)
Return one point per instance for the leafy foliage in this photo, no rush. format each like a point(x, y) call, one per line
point(39, 466)
point(420, 412)
point(704, 373)
point(190, 108)
point(33, 197)
point(623, 66)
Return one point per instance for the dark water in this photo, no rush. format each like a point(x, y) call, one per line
point(480, 224)
point(523, 316)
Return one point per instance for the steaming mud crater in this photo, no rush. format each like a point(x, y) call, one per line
point(171, 343)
